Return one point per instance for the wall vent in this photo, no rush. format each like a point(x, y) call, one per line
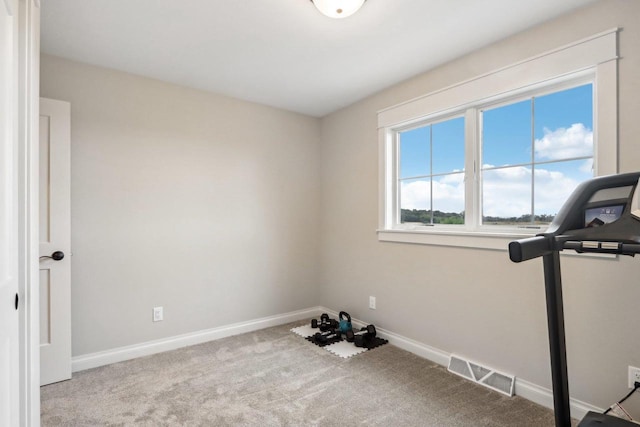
point(483, 375)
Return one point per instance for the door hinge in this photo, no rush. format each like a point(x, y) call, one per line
point(17, 300)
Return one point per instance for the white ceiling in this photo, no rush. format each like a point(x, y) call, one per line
point(283, 53)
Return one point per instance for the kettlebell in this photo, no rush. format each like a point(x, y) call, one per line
point(345, 322)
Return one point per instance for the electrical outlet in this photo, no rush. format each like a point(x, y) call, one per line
point(157, 314)
point(634, 375)
point(372, 303)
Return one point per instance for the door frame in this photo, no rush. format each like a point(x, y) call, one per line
point(27, 61)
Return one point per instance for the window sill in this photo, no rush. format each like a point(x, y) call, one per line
point(466, 239)
point(463, 239)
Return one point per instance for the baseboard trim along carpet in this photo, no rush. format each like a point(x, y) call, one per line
point(120, 354)
point(430, 353)
point(530, 391)
point(533, 392)
point(544, 397)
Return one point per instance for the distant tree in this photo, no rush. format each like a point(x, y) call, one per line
point(425, 217)
point(453, 220)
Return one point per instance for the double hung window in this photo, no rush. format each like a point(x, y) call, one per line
point(532, 153)
point(498, 155)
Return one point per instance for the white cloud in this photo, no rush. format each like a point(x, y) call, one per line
point(587, 166)
point(553, 188)
point(414, 194)
point(507, 192)
point(448, 194)
point(576, 141)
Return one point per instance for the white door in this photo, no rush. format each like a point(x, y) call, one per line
point(9, 247)
point(19, 51)
point(55, 239)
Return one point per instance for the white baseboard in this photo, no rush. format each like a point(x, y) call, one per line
point(101, 358)
point(530, 391)
point(525, 389)
point(544, 397)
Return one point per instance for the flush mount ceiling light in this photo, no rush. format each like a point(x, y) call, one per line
point(338, 8)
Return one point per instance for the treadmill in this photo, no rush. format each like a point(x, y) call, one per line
point(602, 215)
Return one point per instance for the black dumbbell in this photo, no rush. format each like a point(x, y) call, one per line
point(361, 337)
point(332, 325)
point(324, 337)
point(324, 317)
point(325, 324)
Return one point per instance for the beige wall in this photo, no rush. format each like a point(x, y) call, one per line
point(199, 203)
point(209, 207)
point(476, 302)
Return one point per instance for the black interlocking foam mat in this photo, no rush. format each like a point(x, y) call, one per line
point(330, 341)
point(349, 350)
point(375, 342)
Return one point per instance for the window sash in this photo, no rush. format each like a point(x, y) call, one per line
point(591, 58)
point(532, 162)
point(473, 144)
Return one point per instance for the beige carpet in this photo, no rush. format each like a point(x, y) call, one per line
point(273, 377)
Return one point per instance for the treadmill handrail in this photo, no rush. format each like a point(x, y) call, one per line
point(537, 246)
point(602, 247)
point(530, 247)
point(568, 225)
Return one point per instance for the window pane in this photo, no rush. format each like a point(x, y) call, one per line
point(448, 146)
point(506, 195)
point(415, 200)
point(448, 199)
point(415, 152)
point(506, 135)
point(564, 124)
point(553, 184)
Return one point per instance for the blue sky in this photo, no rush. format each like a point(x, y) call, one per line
point(507, 130)
point(448, 149)
point(562, 125)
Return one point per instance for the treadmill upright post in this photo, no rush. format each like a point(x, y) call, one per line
point(557, 345)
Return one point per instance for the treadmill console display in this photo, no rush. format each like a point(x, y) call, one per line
point(595, 217)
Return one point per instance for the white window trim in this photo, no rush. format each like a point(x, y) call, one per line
point(595, 55)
